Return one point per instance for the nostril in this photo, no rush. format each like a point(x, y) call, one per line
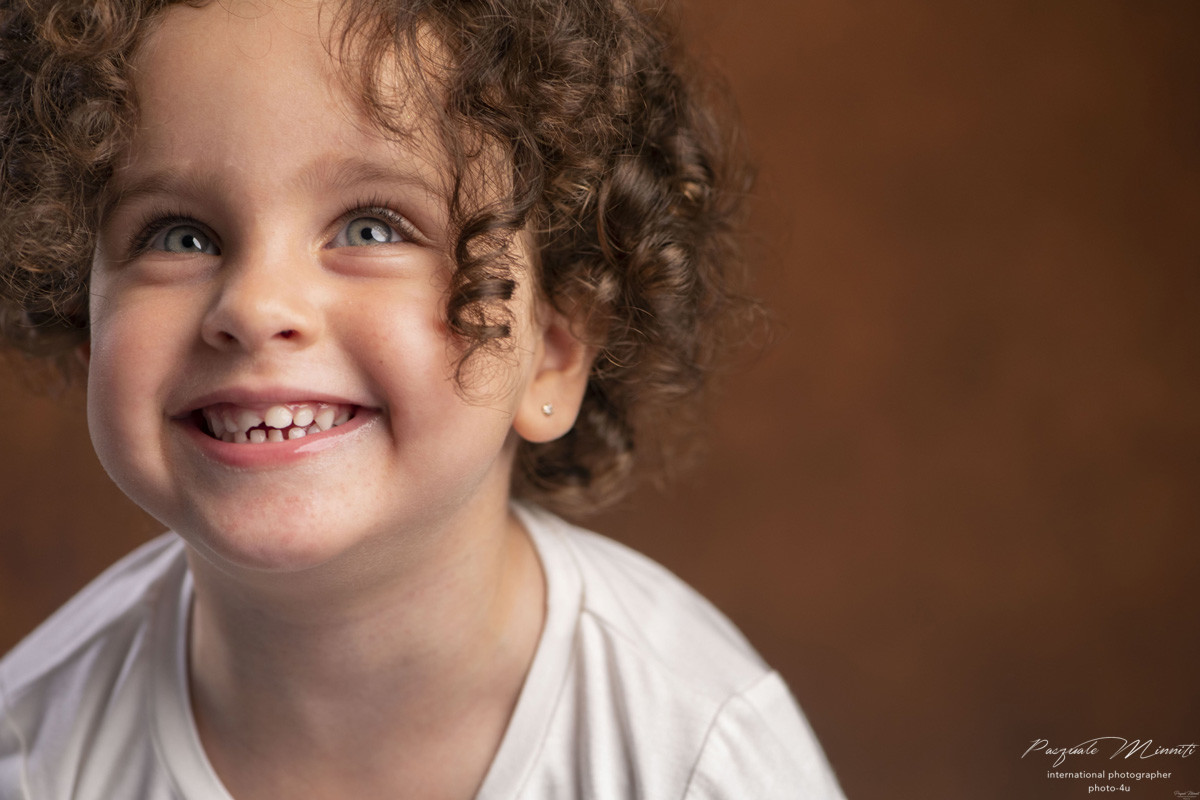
point(288, 334)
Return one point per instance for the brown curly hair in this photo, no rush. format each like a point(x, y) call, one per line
point(623, 170)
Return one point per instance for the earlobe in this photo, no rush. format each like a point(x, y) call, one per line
point(551, 402)
point(83, 353)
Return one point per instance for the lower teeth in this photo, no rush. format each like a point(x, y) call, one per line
point(316, 423)
point(262, 435)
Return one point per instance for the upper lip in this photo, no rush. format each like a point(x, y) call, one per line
point(260, 396)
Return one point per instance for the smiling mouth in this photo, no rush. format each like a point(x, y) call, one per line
point(271, 423)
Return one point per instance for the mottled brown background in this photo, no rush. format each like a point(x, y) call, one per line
point(956, 503)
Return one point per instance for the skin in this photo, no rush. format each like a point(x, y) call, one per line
point(365, 612)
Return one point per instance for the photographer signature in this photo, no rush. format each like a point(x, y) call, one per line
point(1119, 746)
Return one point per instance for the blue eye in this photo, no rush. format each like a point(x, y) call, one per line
point(366, 231)
point(185, 239)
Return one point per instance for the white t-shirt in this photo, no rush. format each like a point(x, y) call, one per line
point(639, 689)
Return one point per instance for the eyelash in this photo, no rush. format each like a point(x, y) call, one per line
point(156, 221)
point(376, 206)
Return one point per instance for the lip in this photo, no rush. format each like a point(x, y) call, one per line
point(274, 454)
point(268, 454)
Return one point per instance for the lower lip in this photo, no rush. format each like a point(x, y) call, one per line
point(274, 454)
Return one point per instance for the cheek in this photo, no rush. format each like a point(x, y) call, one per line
point(118, 392)
point(133, 348)
point(414, 366)
point(399, 343)
point(127, 347)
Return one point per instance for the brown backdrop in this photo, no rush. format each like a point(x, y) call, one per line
point(956, 503)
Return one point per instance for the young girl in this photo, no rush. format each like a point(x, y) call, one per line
point(348, 278)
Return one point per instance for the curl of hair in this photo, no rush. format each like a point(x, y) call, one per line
point(617, 162)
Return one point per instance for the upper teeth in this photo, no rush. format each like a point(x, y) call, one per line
point(242, 424)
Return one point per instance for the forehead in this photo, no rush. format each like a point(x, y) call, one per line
point(252, 87)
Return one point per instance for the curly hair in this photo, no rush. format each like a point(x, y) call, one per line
point(619, 161)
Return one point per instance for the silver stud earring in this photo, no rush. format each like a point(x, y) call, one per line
point(547, 409)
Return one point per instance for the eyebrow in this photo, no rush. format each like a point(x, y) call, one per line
point(166, 181)
point(347, 172)
point(320, 175)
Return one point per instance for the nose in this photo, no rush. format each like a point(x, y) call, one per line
point(263, 301)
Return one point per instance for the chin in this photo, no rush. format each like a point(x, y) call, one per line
point(254, 544)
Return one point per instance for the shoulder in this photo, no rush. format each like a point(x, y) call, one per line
point(647, 611)
point(80, 669)
point(118, 596)
point(657, 668)
point(761, 746)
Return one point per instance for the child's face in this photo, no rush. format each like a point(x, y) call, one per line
point(268, 248)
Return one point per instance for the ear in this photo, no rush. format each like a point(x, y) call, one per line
point(83, 352)
point(561, 366)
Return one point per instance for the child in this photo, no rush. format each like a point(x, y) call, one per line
point(348, 278)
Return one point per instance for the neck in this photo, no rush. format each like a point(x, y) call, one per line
point(369, 678)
